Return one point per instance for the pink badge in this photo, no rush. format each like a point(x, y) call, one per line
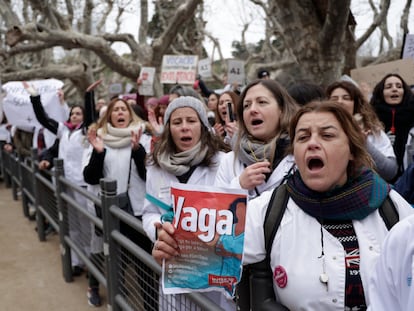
point(280, 276)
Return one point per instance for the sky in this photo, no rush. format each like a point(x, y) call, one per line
point(225, 20)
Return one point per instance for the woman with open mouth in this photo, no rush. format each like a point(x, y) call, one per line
point(377, 142)
point(330, 234)
point(258, 161)
point(393, 102)
point(186, 152)
point(118, 150)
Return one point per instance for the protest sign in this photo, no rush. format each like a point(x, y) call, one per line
point(115, 89)
point(147, 75)
point(179, 69)
point(204, 67)
point(408, 47)
point(373, 74)
point(18, 108)
point(210, 225)
point(235, 72)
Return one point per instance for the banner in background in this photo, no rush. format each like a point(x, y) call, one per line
point(18, 108)
point(147, 76)
point(235, 72)
point(373, 74)
point(179, 69)
point(204, 68)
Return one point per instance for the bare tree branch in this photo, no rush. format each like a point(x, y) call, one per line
point(161, 44)
point(143, 27)
point(385, 5)
point(404, 17)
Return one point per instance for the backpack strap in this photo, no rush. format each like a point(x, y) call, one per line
point(389, 213)
point(274, 215)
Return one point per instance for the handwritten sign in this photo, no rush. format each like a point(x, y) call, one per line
point(373, 74)
point(18, 108)
point(204, 67)
point(408, 50)
point(235, 72)
point(147, 75)
point(179, 69)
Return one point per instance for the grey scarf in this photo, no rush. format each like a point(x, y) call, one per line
point(252, 151)
point(181, 162)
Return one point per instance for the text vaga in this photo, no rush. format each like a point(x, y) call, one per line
point(190, 220)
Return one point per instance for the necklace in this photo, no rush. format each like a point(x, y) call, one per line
point(254, 155)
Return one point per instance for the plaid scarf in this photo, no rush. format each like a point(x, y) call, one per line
point(355, 200)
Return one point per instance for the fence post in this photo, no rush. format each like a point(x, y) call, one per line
point(63, 222)
point(109, 198)
point(40, 219)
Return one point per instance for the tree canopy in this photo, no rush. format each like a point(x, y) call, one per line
point(304, 39)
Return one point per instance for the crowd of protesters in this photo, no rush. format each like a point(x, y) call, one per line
point(340, 152)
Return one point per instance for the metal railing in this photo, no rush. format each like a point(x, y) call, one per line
point(123, 266)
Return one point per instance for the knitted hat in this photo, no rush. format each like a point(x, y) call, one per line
point(191, 102)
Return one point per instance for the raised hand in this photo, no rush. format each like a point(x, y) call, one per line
point(135, 138)
point(95, 140)
point(93, 85)
point(30, 89)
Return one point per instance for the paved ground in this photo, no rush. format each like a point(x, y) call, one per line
point(30, 270)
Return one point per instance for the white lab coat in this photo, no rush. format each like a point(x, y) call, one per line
point(391, 286)
point(71, 147)
point(117, 164)
point(230, 170)
point(297, 248)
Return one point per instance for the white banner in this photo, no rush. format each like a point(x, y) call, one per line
point(179, 69)
point(18, 108)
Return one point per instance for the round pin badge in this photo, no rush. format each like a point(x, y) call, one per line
point(280, 276)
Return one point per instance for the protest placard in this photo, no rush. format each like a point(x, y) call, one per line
point(204, 67)
point(18, 108)
point(210, 225)
point(373, 74)
point(408, 47)
point(179, 69)
point(147, 75)
point(235, 72)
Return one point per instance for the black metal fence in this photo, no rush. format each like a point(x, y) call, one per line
point(129, 274)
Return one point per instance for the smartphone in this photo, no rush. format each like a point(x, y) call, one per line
point(230, 112)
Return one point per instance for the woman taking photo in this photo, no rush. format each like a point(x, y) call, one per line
point(377, 142)
point(226, 116)
point(187, 152)
point(330, 236)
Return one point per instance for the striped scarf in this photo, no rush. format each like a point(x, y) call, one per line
point(355, 200)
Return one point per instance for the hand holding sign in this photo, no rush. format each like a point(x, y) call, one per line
point(30, 89)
